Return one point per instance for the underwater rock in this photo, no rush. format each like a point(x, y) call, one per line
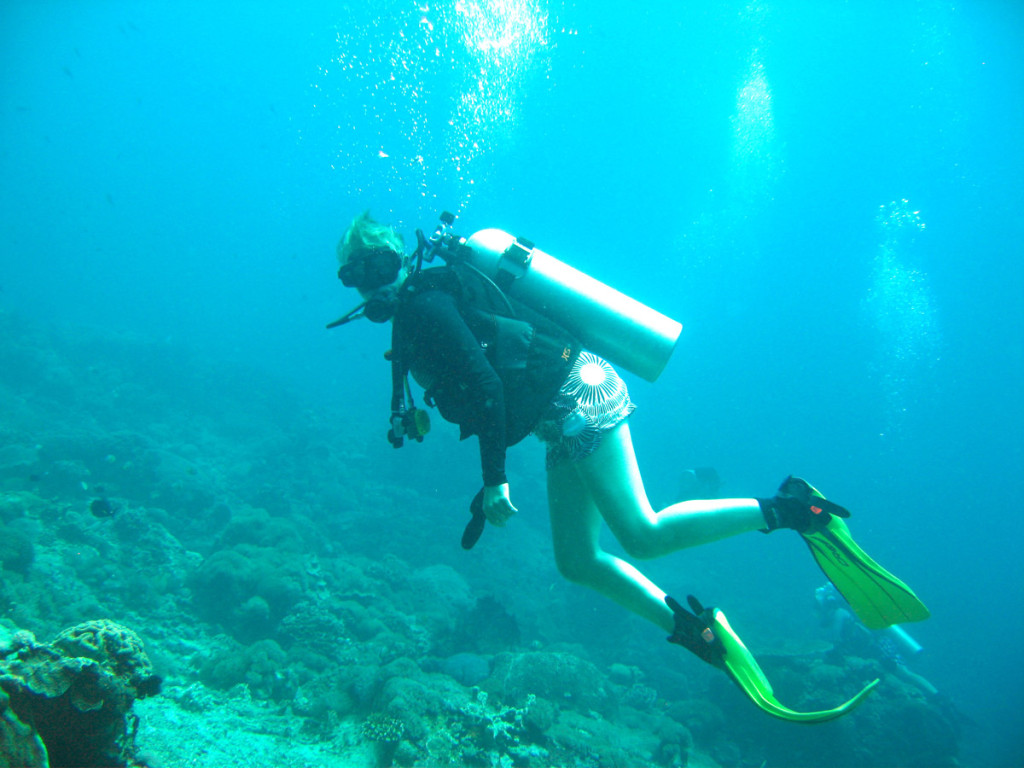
point(261, 667)
point(311, 625)
point(406, 754)
point(439, 597)
point(324, 698)
point(180, 485)
point(676, 742)
point(639, 696)
point(415, 725)
point(541, 715)
point(65, 478)
point(558, 677)
point(404, 694)
point(257, 527)
point(17, 505)
point(896, 725)
point(364, 683)
point(487, 628)
point(17, 458)
point(16, 549)
point(20, 745)
point(116, 647)
point(74, 696)
point(253, 617)
point(701, 717)
point(599, 742)
point(468, 668)
point(622, 674)
point(225, 584)
point(442, 584)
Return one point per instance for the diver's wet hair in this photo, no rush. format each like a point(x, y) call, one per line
point(365, 234)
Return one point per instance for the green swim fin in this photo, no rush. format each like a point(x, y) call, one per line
point(706, 633)
point(877, 597)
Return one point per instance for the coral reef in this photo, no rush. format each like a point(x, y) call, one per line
point(897, 725)
point(68, 703)
point(16, 549)
point(254, 545)
point(563, 677)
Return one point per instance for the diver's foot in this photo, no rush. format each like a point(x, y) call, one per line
point(798, 506)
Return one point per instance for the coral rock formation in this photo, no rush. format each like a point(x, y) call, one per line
point(68, 703)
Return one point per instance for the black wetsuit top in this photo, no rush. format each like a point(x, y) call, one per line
point(447, 332)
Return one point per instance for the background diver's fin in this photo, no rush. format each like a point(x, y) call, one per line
point(877, 597)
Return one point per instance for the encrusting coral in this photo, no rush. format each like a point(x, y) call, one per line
point(68, 703)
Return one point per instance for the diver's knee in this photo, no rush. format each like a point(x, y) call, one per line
point(642, 543)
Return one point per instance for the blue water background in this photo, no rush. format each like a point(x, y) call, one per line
point(182, 171)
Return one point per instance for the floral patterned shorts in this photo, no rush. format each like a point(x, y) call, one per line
point(592, 401)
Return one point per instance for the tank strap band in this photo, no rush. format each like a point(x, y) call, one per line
point(513, 263)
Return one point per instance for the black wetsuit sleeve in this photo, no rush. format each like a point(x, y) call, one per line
point(447, 350)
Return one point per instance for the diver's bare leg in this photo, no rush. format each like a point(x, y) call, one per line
point(575, 527)
point(613, 478)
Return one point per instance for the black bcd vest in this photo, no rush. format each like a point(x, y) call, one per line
point(531, 354)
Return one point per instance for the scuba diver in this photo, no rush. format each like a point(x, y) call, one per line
point(505, 340)
point(892, 646)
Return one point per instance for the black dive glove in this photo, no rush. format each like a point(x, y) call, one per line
point(694, 631)
point(798, 505)
point(476, 523)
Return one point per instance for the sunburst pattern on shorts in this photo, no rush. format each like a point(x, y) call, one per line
point(596, 388)
point(592, 401)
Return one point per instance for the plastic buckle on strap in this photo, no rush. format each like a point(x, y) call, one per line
point(514, 263)
point(517, 256)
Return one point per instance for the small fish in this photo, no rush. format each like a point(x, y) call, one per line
point(102, 508)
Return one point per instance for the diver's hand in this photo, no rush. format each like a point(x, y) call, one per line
point(497, 504)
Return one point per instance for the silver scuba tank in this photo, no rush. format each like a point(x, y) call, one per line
point(907, 644)
point(607, 322)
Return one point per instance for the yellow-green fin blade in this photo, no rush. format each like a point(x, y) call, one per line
point(877, 597)
point(746, 672)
